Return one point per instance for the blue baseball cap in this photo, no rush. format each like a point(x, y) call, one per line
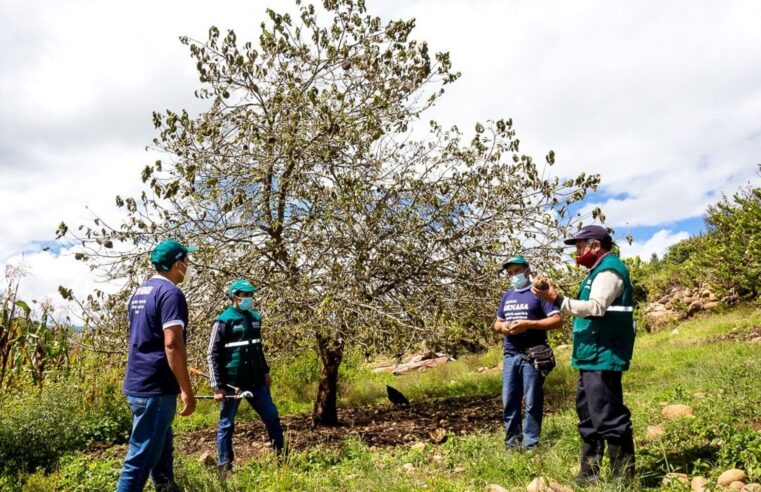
point(168, 252)
point(596, 232)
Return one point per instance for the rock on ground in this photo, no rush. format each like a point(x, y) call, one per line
point(207, 458)
point(546, 484)
point(654, 432)
point(675, 479)
point(676, 411)
point(699, 484)
point(732, 475)
point(493, 487)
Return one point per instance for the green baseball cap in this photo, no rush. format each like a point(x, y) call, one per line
point(240, 285)
point(515, 260)
point(169, 251)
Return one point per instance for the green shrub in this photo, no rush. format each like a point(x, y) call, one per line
point(36, 428)
point(727, 257)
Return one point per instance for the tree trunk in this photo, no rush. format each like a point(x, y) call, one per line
point(331, 352)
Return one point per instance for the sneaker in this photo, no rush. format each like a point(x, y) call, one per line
point(224, 471)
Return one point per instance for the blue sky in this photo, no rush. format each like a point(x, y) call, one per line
point(661, 98)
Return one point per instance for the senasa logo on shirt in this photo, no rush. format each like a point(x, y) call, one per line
point(516, 307)
point(144, 291)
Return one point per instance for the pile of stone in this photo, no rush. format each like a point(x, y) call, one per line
point(679, 303)
point(733, 479)
point(417, 362)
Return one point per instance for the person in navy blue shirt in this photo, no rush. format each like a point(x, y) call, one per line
point(157, 369)
point(524, 320)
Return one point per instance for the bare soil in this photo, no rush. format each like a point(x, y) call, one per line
point(384, 426)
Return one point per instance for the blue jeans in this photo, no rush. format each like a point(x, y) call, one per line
point(262, 403)
point(520, 380)
point(150, 444)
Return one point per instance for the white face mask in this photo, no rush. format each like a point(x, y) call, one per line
point(186, 275)
point(518, 281)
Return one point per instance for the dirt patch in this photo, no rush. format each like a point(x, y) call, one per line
point(382, 426)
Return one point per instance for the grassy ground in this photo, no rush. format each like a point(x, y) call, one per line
point(718, 378)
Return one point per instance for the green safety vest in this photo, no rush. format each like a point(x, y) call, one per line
point(605, 343)
point(243, 357)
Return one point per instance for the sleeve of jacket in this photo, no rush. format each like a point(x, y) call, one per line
point(265, 366)
point(214, 354)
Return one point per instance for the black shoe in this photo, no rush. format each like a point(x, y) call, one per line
point(621, 455)
point(592, 453)
point(514, 443)
point(224, 471)
point(585, 480)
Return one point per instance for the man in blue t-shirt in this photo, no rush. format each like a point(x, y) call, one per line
point(157, 369)
point(524, 320)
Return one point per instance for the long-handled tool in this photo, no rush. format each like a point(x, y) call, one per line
point(237, 396)
point(199, 372)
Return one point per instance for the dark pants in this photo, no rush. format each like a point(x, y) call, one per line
point(600, 406)
point(262, 403)
point(603, 418)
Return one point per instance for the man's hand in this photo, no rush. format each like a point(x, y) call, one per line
point(549, 295)
point(518, 327)
point(188, 403)
point(268, 379)
point(219, 394)
point(499, 326)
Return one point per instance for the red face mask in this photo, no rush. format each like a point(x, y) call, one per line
point(588, 259)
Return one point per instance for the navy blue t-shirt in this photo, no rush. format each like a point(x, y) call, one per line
point(523, 304)
point(155, 305)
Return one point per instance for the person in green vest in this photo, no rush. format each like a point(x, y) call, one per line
point(603, 342)
point(236, 359)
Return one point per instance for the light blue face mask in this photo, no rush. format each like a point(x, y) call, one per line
point(518, 281)
point(246, 303)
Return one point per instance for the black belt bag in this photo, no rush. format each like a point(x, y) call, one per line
point(541, 357)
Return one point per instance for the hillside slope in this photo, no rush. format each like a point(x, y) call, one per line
point(711, 363)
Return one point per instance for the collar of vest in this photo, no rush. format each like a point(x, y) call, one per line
point(605, 262)
point(233, 314)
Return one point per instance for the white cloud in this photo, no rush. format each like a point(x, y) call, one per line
point(46, 272)
point(660, 98)
point(658, 244)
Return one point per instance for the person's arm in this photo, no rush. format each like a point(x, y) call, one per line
point(176, 355)
point(523, 325)
point(266, 367)
point(214, 357)
point(500, 325)
point(606, 286)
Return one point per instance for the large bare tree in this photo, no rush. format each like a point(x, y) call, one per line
point(305, 175)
